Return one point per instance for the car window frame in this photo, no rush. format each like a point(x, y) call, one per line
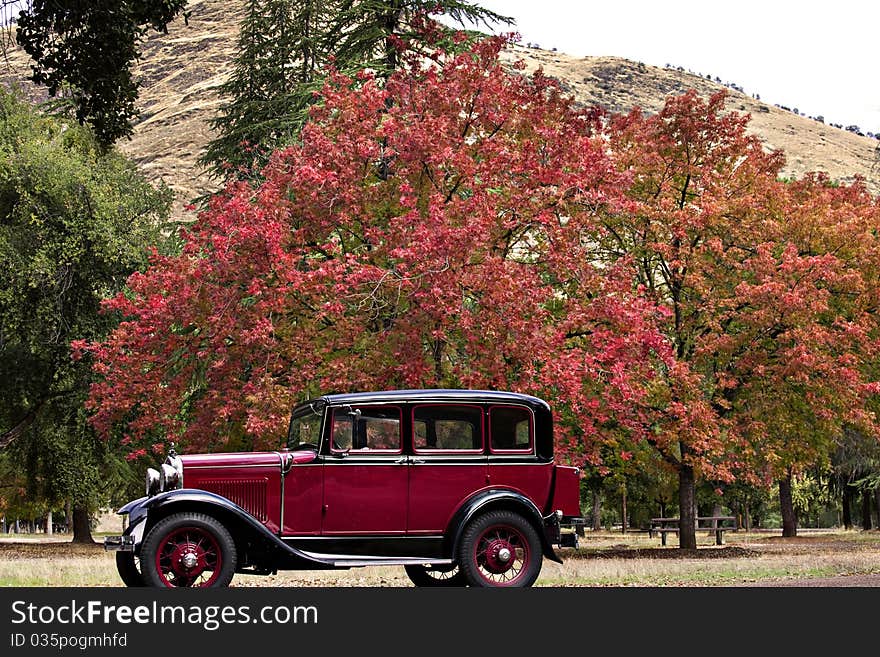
point(434, 451)
point(365, 451)
point(511, 451)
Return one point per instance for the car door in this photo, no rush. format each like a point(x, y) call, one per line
point(303, 482)
point(365, 472)
point(447, 464)
point(513, 463)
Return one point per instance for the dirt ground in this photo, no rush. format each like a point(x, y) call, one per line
point(596, 555)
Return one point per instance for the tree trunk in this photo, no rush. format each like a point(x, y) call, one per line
point(748, 517)
point(866, 509)
point(786, 505)
point(877, 507)
point(687, 535)
point(847, 506)
point(82, 530)
point(49, 528)
point(597, 510)
point(623, 510)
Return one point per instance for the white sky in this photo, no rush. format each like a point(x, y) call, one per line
point(818, 57)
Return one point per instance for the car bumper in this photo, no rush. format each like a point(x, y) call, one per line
point(124, 543)
point(557, 530)
point(130, 540)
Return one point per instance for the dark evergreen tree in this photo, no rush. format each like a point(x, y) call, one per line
point(283, 51)
point(280, 49)
point(360, 31)
point(88, 48)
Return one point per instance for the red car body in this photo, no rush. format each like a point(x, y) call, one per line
point(458, 486)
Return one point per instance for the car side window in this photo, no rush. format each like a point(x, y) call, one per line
point(510, 429)
point(366, 428)
point(448, 427)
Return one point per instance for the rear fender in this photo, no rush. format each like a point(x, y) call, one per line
point(501, 499)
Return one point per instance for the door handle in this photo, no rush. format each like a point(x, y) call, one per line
point(400, 461)
point(415, 460)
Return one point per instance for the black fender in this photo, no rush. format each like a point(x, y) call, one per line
point(135, 512)
point(499, 499)
point(164, 504)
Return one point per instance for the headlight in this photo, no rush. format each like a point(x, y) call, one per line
point(153, 482)
point(171, 474)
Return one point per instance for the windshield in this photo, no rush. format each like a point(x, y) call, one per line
point(305, 426)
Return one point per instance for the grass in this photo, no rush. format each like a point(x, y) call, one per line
point(603, 559)
point(745, 559)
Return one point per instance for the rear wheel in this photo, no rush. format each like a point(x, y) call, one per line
point(188, 550)
point(500, 548)
point(434, 576)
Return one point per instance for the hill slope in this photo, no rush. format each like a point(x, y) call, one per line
point(181, 72)
point(620, 84)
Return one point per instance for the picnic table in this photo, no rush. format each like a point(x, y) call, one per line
point(712, 524)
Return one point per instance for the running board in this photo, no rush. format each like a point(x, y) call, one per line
point(354, 561)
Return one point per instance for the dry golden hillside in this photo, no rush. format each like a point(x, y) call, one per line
point(621, 84)
point(181, 72)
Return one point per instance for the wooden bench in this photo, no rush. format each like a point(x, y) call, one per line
point(713, 524)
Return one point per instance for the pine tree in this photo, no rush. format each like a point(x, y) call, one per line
point(361, 28)
point(279, 51)
point(283, 50)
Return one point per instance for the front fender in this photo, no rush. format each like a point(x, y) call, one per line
point(163, 504)
point(145, 512)
point(498, 499)
point(134, 504)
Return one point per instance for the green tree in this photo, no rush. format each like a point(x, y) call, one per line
point(280, 48)
point(88, 49)
point(283, 51)
point(75, 221)
point(855, 469)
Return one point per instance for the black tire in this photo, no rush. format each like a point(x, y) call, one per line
point(500, 549)
point(128, 567)
point(435, 576)
point(188, 550)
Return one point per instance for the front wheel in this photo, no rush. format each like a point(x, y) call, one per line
point(500, 548)
point(128, 567)
point(188, 550)
point(434, 576)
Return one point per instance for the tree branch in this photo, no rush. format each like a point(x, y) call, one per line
point(8, 437)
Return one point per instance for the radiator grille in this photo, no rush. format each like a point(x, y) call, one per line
point(249, 494)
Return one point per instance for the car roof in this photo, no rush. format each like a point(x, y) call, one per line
point(430, 395)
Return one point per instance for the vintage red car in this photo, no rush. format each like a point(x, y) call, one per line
point(457, 486)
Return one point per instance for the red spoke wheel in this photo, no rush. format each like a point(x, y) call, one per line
point(188, 550)
point(500, 548)
point(434, 576)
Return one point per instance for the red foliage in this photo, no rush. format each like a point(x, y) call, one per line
point(460, 226)
point(434, 231)
point(771, 289)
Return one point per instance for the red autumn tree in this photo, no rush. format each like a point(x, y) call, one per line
point(436, 230)
point(800, 346)
point(769, 324)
